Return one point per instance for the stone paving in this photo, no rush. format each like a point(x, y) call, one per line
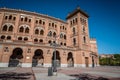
point(38, 73)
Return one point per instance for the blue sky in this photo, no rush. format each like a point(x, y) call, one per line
point(104, 20)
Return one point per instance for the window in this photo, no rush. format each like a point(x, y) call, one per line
point(55, 26)
point(36, 21)
point(49, 41)
point(61, 35)
point(36, 31)
point(63, 27)
point(49, 24)
point(27, 30)
point(10, 17)
point(52, 24)
point(4, 28)
point(29, 20)
point(8, 37)
point(29, 50)
point(21, 29)
point(41, 32)
point(76, 20)
point(6, 17)
point(6, 49)
point(71, 22)
point(40, 21)
point(84, 39)
point(14, 18)
point(19, 38)
point(2, 37)
point(83, 28)
point(61, 43)
point(25, 39)
point(74, 31)
point(50, 33)
point(26, 19)
point(41, 40)
point(54, 34)
point(10, 28)
point(64, 44)
point(64, 36)
point(21, 19)
point(35, 40)
point(74, 41)
point(43, 23)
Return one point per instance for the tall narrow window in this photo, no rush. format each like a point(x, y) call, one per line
point(27, 30)
point(10, 17)
point(74, 31)
point(10, 28)
point(41, 32)
point(5, 28)
point(54, 34)
point(21, 29)
point(64, 36)
point(14, 18)
point(6, 17)
point(36, 31)
point(40, 21)
point(84, 39)
point(74, 41)
point(26, 19)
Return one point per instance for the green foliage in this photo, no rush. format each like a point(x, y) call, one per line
point(113, 61)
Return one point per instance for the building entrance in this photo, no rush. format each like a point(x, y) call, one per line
point(16, 58)
point(38, 58)
point(70, 60)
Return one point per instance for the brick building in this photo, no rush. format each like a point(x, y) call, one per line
point(29, 39)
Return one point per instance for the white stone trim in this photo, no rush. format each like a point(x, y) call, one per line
point(64, 65)
point(90, 65)
point(47, 65)
point(79, 65)
point(26, 64)
point(3, 64)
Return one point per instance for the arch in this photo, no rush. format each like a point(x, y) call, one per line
point(41, 32)
point(21, 29)
point(41, 40)
point(8, 37)
point(19, 38)
point(50, 33)
point(27, 30)
point(3, 37)
point(25, 39)
point(10, 28)
point(56, 61)
point(35, 40)
point(70, 59)
point(54, 34)
point(16, 57)
point(5, 28)
point(37, 58)
point(64, 36)
point(36, 31)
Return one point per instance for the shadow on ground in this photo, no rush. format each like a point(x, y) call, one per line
point(87, 77)
point(15, 76)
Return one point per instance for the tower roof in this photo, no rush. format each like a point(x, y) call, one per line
point(76, 11)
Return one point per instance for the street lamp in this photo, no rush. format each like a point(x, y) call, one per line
point(54, 67)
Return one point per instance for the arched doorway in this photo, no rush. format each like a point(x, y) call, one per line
point(56, 59)
point(37, 58)
point(16, 57)
point(70, 60)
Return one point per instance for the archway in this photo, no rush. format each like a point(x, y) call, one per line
point(56, 59)
point(37, 58)
point(16, 57)
point(70, 60)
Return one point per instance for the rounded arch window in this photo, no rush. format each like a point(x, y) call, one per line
point(8, 37)
point(49, 41)
point(5, 28)
point(61, 35)
point(27, 30)
point(19, 38)
point(64, 36)
point(50, 33)
point(41, 40)
point(64, 44)
point(2, 37)
point(26, 19)
point(10, 28)
point(41, 32)
point(25, 39)
point(10, 17)
point(36, 31)
point(21, 29)
point(54, 34)
point(35, 40)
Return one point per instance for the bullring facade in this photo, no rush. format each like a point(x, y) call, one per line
point(28, 38)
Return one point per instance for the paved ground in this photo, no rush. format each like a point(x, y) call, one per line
point(113, 73)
